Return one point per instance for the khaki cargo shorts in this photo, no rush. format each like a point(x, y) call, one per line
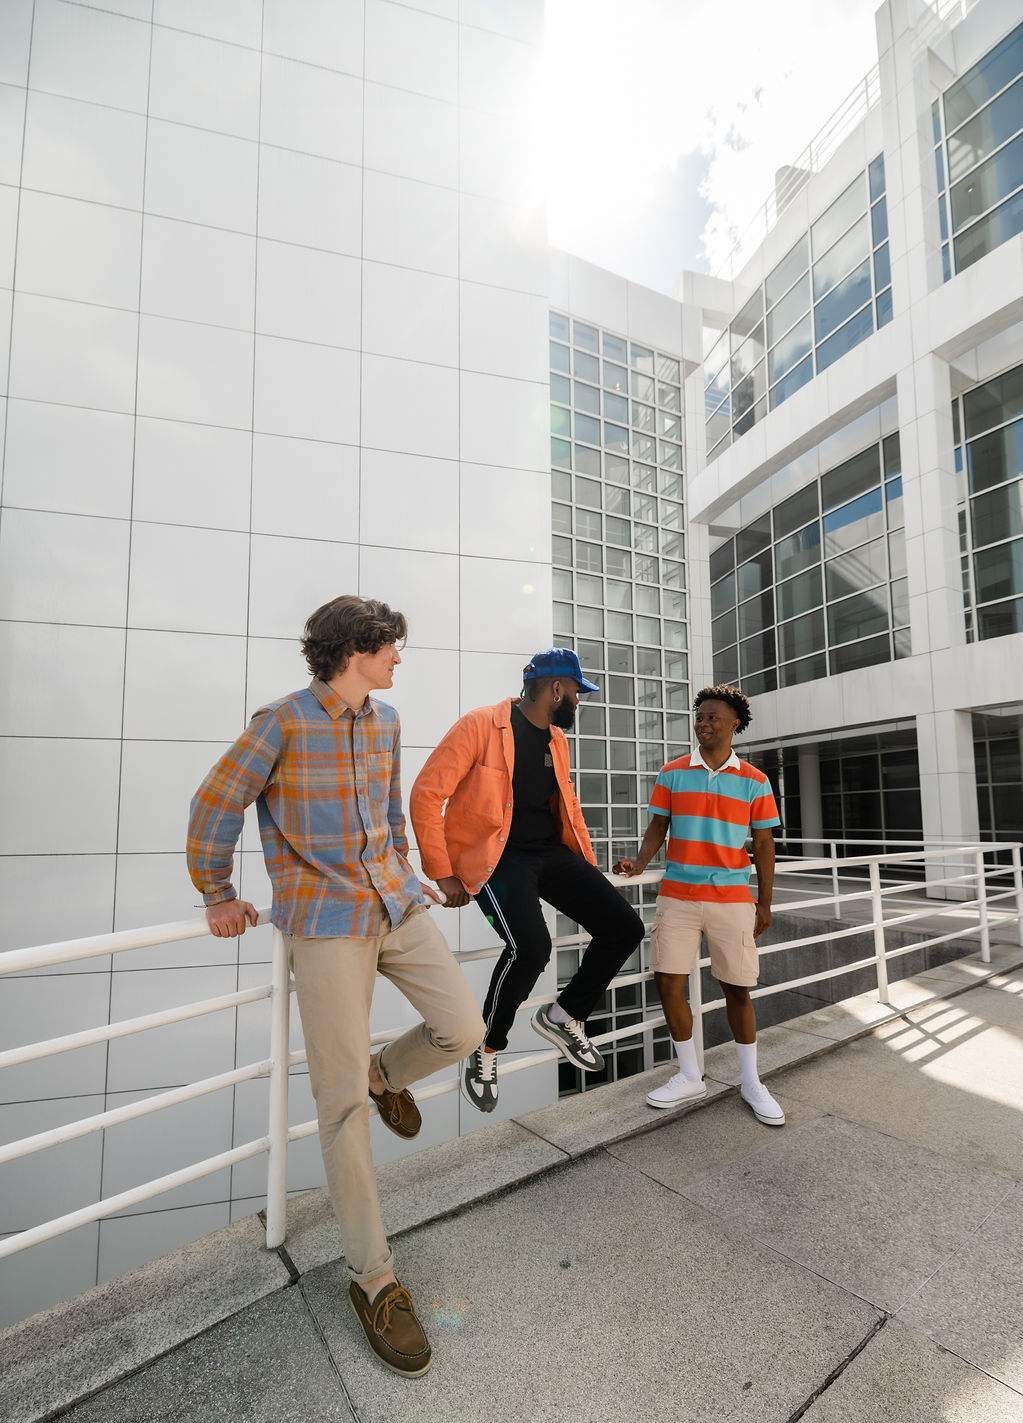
point(679, 924)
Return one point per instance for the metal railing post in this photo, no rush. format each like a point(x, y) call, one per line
point(877, 915)
point(834, 879)
point(1017, 884)
point(277, 1166)
point(985, 930)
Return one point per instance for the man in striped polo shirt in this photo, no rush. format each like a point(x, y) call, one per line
point(707, 803)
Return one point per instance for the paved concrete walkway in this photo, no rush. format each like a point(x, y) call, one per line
point(866, 1262)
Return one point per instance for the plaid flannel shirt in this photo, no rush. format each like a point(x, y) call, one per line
point(327, 787)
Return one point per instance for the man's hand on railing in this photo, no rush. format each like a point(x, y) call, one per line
point(231, 917)
point(628, 867)
point(454, 892)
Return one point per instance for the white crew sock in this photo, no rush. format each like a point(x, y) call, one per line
point(748, 1064)
point(687, 1059)
point(557, 1014)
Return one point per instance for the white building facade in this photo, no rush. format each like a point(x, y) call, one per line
point(284, 323)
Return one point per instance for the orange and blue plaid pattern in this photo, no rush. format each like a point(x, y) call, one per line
point(326, 782)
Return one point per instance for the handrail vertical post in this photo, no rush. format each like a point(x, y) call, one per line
point(277, 1167)
point(834, 878)
point(985, 929)
point(696, 1008)
point(1017, 884)
point(877, 916)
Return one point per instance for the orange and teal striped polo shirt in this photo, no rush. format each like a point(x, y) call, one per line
point(712, 813)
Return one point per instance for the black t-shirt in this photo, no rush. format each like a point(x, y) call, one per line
point(533, 825)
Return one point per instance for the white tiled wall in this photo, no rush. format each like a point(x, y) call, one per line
point(276, 315)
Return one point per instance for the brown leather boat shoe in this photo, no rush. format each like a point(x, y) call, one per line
point(394, 1333)
point(398, 1112)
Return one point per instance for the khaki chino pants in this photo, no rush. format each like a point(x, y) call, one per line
point(334, 980)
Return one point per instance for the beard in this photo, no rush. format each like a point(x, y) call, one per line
point(563, 715)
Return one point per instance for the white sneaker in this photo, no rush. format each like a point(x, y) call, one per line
point(676, 1090)
point(762, 1105)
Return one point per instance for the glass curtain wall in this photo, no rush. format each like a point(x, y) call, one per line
point(988, 430)
point(829, 292)
point(978, 156)
point(998, 756)
point(816, 585)
point(619, 550)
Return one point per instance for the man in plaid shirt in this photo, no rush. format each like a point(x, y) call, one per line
point(323, 766)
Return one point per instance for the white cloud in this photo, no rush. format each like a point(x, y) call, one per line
point(631, 89)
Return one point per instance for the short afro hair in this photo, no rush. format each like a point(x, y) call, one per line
point(730, 695)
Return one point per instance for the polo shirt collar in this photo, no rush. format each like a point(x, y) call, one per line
point(696, 759)
point(334, 705)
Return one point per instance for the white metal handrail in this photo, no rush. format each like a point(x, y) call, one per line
point(279, 989)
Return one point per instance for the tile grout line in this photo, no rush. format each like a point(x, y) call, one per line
point(335, 1369)
point(835, 1374)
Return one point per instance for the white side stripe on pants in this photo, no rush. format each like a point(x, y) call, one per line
point(512, 955)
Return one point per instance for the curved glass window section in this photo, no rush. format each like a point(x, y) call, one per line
point(830, 291)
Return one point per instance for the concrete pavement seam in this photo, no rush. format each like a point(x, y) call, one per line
point(836, 1373)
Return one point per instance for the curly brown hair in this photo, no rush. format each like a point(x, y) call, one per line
point(345, 625)
point(724, 692)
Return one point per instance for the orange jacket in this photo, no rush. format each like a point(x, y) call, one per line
point(471, 769)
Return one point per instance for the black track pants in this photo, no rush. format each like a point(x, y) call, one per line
point(511, 902)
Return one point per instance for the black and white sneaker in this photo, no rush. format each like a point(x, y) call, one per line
point(479, 1080)
point(571, 1038)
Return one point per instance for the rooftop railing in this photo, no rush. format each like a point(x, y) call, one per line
point(974, 881)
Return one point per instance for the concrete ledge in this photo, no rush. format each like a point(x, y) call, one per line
point(65, 1354)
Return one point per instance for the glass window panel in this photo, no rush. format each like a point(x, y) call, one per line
point(644, 447)
point(590, 622)
point(856, 571)
point(794, 512)
point(722, 560)
point(624, 790)
point(616, 469)
point(646, 508)
point(672, 544)
point(648, 600)
point(748, 391)
point(946, 261)
point(561, 518)
point(561, 420)
point(591, 654)
point(998, 572)
point(675, 637)
point(561, 359)
point(561, 389)
point(623, 755)
point(801, 636)
point(993, 403)
point(668, 369)
point(792, 265)
point(586, 428)
point(588, 492)
point(790, 349)
point(648, 630)
point(800, 595)
point(587, 460)
point(882, 268)
point(619, 562)
point(644, 478)
point(997, 515)
point(842, 301)
point(563, 618)
point(884, 308)
point(722, 595)
point(644, 417)
point(619, 625)
point(726, 665)
point(724, 630)
point(621, 689)
point(616, 378)
point(648, 569)
point(754, 537)
point(756, 614)
point(673, 575)
point(642, 387)
point(562, 584)
point(669, 397)
point(761, 682)
point(985, 186)
point(642, 358)
point(587, 398)
point(747, 320)
point(561, 550)
point(860, 616)
point(845, 338)
point(616, 438)
point(893, 495)
point(1000, 619)
point(587, 524)
point(753, 414)
point(589, 590)
point(648, 661)
point(671, 515)
point(851, 477)
point(669, 455)
point(618, 531)
point(900, 603)
point(670, 482)
point(585, 336)
point(561, 453)
point(853, 524)
point(986, 77)
point(585, 367)
point(847, 253)
point(615, 348)
point(875, 177)
point(808, 669)
point(897, 553)
point(879, 223)
point(1005, 759)
point(757, 652)
point(861, 654)
point(789, 384)
point(843, 211)
point(559, 326)
point(719, 424)
point(755, 575)
point(669, 427)
point(592, 754)
point(589, 557)
point(788, 310)
point(892, 455)
point(996, 457)
point(986, 131)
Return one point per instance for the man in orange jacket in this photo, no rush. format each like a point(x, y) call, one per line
point(513, 834)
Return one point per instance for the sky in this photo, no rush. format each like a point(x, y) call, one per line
point(664, 120)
